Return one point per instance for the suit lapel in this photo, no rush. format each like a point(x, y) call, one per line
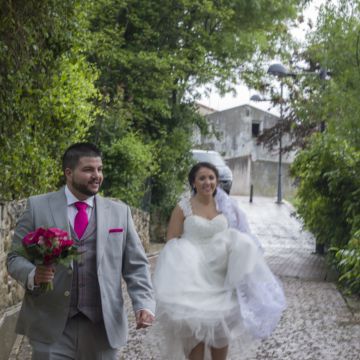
point(102, 218)
point(58, 208)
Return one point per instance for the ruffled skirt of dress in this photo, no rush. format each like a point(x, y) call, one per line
point(219, 292)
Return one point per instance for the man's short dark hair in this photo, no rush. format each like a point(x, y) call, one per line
point(76, 151)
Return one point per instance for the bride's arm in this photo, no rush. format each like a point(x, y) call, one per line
point(176, 223)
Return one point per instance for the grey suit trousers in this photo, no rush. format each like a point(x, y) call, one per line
point(81, 340)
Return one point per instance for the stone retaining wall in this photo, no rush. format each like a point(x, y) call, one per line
point(10, 292)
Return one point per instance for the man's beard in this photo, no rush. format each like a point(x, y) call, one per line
point(81, 188)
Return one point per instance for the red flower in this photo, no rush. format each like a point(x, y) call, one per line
point(49, 246)
point(66, 243)
point(55, 232)
point(57, 252)
point(48, 259)
point(27, 240)
point(34, 237)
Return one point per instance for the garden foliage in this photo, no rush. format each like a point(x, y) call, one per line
point(347, 262)
point(328, 196)
point(328, 170)
point(46, 92)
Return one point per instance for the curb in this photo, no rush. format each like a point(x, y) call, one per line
point(353, 303)
point(16, 347)
point(7, 330)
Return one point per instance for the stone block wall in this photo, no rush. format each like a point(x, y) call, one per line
point(10, 292)
point(142, 225)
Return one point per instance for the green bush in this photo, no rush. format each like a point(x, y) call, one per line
point(128, 163)
point(328, 197)
point(347, 262)
point(328, 200)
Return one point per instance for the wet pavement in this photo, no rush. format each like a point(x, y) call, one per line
point(318, 323)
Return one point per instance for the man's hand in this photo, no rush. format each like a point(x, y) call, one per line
point(43, 274)
point(144, 318)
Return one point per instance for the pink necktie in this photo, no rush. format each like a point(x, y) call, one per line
point(81, 219)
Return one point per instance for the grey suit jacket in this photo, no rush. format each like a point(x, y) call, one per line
point(119, 254)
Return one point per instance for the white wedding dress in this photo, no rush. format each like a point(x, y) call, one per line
point(212, 285)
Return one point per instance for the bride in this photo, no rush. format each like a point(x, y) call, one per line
point(211, 282)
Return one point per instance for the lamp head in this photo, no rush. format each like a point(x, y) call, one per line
point(278, 70)
point(256, 97)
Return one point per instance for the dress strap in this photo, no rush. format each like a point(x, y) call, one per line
point(185, 206)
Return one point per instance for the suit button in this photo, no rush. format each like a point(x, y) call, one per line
point(67, 293)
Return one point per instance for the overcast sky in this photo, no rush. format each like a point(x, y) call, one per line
point(217, 102)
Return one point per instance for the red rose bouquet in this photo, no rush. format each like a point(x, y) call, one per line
point(47, 247)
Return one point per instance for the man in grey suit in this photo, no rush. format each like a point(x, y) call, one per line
point(83, 317)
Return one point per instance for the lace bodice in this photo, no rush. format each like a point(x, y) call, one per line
point(235, 217)
point(198, 227)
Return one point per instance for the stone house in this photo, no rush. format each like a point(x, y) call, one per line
point(234, 134)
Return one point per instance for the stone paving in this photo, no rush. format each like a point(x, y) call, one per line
point(289, 249)
point(317, 325)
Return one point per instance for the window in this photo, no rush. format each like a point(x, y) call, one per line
point(255, 129)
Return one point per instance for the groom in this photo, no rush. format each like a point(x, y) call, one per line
point(83, 318)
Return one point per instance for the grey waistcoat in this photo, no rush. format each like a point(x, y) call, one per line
point(85, 290)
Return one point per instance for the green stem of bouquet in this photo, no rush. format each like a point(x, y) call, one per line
point(48, 286)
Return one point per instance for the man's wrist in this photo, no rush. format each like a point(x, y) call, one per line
point(149, 311)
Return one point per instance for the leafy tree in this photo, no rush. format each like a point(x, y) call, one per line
point(46, 86)
point(153, 55)
point(325, 95)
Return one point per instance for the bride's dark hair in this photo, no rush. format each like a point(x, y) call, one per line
point(196, 168)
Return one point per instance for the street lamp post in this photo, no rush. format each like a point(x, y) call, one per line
point(279, 182)
point(279, 71)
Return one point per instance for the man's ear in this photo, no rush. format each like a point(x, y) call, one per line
point(67, 172)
